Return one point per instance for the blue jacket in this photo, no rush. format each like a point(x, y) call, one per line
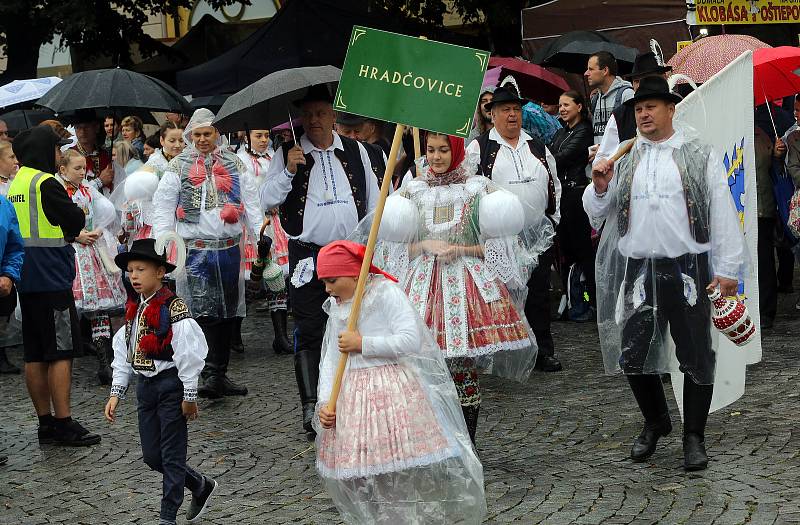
point(12, 251)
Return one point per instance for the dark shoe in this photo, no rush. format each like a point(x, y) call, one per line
point(644, 446)
point(72, 434)
point(281, 344)
point(694, 453)
point(308, 417)
point(229, 388)
point(6, 367)
point(46, 434)
point(212, 388)
point(237, 347)
point(548, 364)
point(199, 504)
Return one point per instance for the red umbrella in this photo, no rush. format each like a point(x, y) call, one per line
point(535, 82)
point(776, 73)
point(706, 57)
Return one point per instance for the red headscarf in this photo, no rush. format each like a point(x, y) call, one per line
point(343, 259)
point(457, 150)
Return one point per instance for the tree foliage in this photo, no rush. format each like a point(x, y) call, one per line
point(96, 27)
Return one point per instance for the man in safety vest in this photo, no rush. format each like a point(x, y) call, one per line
point(49, 221)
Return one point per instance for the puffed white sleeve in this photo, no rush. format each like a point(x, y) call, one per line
point(122, 369)
point(189, 354)
point(403, 337)
point(277, 183)
point(165, 202)
point(254, 215)
point(104, 211)
point(598, 206)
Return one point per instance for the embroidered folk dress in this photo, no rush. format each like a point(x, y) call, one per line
point(399, 451)
point(98, 282)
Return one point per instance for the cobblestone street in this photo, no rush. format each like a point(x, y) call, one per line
point(554, 450)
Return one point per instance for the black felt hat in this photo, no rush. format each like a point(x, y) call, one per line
point(504, 95)
point(348, 119)
point(653, 87)
point(646, 64)
point(143, 250)
point(316, 93)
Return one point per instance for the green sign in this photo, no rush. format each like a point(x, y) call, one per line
point(411, 81)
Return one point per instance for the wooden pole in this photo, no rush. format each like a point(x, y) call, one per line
point(417, 144)
point(352, 322)
point(623, 150)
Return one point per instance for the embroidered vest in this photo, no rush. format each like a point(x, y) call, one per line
point(196, 172)
point(153, 330)
point(691, 159)
point(291, 211)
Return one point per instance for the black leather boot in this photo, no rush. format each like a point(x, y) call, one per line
point(696, 403)
point(6, 367)
point(306, 372)
point(229, 388)
point(104, 373)
point(649, 394)
point(471, 419)
point(281, 344)
point(236, 336)
point(212, 387)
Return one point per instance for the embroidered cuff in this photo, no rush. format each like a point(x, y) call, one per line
point(119, 391)
point(600, 195)
point(190, 395)
point(288, 173)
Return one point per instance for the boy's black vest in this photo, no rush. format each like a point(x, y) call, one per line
point(154, 338)
point(291, 211)
point(625, 119)
point(489, 149)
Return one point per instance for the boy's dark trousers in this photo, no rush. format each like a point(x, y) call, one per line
point(164, 436)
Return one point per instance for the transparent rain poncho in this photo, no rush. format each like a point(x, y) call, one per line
point(463, 250)
point(399, 452)
point(209, 199)
point(679, 206)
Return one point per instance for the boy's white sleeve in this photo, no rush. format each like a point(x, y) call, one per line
point(189, 354)
point(120, 365)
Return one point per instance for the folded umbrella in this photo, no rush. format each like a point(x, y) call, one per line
point(25, 90)
point(264, 104)
point(119, 89)
point(535, 82)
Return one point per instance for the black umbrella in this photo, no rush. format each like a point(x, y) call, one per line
point(571, 51)
point(22, 119)
point(266, 103)
point(119, 89)
point(213, 102)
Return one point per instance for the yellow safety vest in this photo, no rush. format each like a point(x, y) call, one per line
point(26, 196)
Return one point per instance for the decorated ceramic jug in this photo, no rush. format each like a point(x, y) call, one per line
point(730, 316)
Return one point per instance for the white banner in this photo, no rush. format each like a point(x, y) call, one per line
point(721, 111)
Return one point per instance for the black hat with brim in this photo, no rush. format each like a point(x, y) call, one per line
point(348, 119)
point(143, 250)
point(653, 87)
point(503, 95)
point(316, 93)
point(647, 64)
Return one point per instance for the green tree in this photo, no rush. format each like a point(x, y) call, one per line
point(97, 27)
point(498, 20)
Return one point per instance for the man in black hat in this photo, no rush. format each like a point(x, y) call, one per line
point(49, 221)
point(671, 233)
point(323, 187)
point(621, 125)
point(99, 168)
point(523, 165)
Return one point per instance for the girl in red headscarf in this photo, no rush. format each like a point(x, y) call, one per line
point(396, 449)
point(459, 247)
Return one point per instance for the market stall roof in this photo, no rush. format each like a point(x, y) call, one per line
point(207, 39)
point(302, 33)
point(630, 22)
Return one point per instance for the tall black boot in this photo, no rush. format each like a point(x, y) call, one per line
point(237, 345)
point(649, 394)
point(696, 403)
point(212, 378)
point(471, 419)
point(306, 371)
point(281, 344)
point(104, 373)
point(6, 367)
point(229, 388)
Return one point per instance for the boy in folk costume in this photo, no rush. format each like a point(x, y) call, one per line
point(163, 344)
point(256, 156)
point(396, 449)
point(97, 287)
point(209, 198)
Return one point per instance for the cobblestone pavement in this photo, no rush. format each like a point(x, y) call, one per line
point(554, 450)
